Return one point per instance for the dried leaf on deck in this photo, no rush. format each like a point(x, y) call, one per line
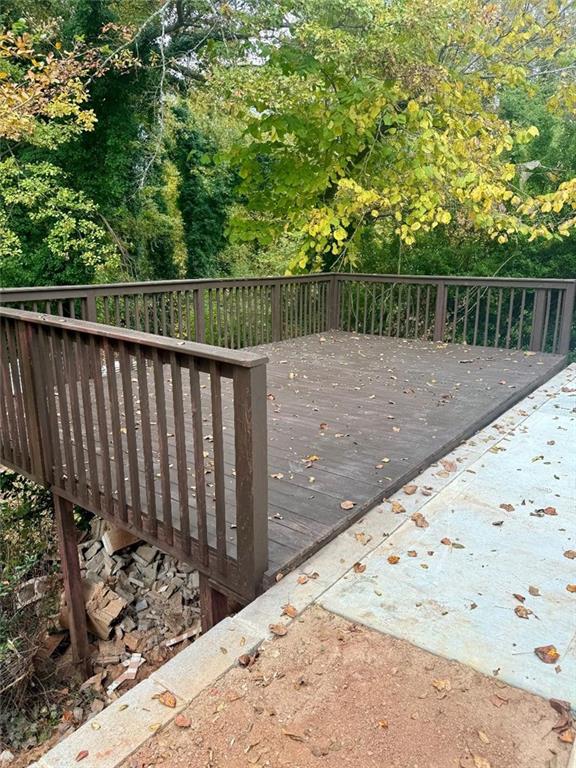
point(521, 598)
point(571, 587)
point(420, 520)
point(362, 538)
point(81, 755)
point(410, 489)
point(397, 508)
point(289, 610)
point(534, 591)
point(442, 685)
point(547, 653)
point(449, 465)
point(393, 559)
point(522, 612)
point(359, 567)
point(347, 504)
point(570, 554)
point(507, 507)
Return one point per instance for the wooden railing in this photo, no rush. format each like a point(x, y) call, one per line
point(235, 313)
point(165, 437)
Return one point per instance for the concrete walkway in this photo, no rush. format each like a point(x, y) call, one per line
point(456, 599)
point(494, 544)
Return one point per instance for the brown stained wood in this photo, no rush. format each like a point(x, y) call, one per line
point(162, 436)
point(181, 460)
point(72, 375)
point(95, 357)
point(58, 363)
point(214, 605)
point(199, 466)
point(218, 443)
point(66, 530)
point(125, 359)
point(114, 406)
point(146, 438)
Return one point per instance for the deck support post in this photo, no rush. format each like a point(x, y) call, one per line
point(440, 312)
point(70, 564)
point(566, 325)
point(276, 312)
point(537, 341)
point(333, 303)
point(214, 606)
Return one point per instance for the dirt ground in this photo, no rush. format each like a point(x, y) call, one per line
point(331, 694)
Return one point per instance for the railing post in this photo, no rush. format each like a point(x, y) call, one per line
point(567, 318)
point(334, 303)
point(440, 312)
point(251, 460)
point(68, 548)
point(277, 312)
point(538, 312)
point(199, 326)
point(91, 308)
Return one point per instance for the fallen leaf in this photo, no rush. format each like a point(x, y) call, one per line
point(289, 610)
point(383, 724)
point(547, 653)
point(546, 511)
point(181, 721)
point(362, 538)
point(522, 612)
point(521, 598)
point(95, 726)
point(82, 755)
point(347, 504)
point(397, 508)
point(302, 579)
point(410, 489)
point(277, 475)
point(534, 591)
point(567, 736)
point(166, 698)
point(323, 425)
point(359, 567)
point(278, 629)
point(412, 553)
point(420, 520)
point(449, 465)
point(393, 559)
point(442, 685)
point(312, 457)
point(457, 545)
point(570, 554)
point(564, 710)
point(395, 429)
point(507, 507)
point(571, 587)
point(483, 738)
point(245, 660)
point(446, 541)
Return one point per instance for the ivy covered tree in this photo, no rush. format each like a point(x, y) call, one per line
point(363, 115)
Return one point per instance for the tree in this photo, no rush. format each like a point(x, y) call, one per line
point(362, 115)
point(49, 232)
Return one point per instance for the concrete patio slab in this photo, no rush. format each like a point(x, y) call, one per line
point(457, 599)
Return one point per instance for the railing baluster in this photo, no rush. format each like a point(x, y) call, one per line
point(181, 460)
point(162, 431)
point(59, 363)
point(146, 434)
point(103, 432)
point(218, 443)
point(113, 402)
point(199, 472)
point(125, 358)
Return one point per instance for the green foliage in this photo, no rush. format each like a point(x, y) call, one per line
point(384, 116)
point(49, 233)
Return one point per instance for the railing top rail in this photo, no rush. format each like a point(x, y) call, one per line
point(194, 349)
point(55, 292)
point(63, 292)
point(510, 282)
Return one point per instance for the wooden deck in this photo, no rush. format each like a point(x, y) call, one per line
point(350, 417)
